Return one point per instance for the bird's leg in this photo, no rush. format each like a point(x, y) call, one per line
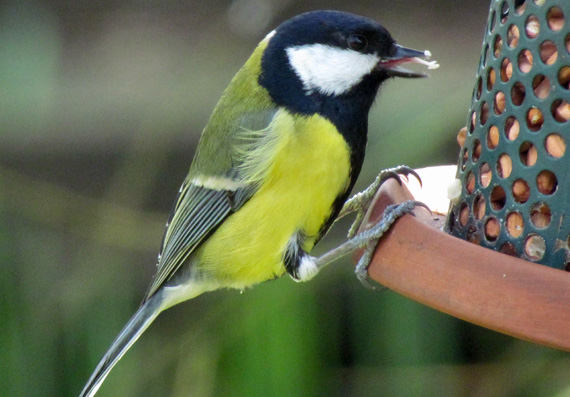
point(361, 201)
point(368, 240)
point(310, 266)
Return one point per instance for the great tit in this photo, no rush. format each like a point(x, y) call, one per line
point(274, 166)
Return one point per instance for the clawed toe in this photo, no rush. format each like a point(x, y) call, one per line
point(397, 172)
point(371, 236)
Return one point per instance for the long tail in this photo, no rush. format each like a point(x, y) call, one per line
point(129, 335)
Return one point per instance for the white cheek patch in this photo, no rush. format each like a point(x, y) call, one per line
point(329, 70)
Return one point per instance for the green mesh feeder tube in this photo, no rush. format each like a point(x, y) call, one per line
point(513, 165)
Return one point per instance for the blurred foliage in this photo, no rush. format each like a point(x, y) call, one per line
point(101, 106)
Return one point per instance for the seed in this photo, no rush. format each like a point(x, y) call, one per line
point(505, 166)
point(561, 111)
point(512, 128)
point(492, 229)
point(515, 224)
point(476, 150)
point(521, 191)
point(513, 36)
point(497, 47)
point(499, 103)
point(463, 214)
point(532, 27)
point(484, 115)
point(534, 119)
point(470, 186)
point(485, 175)
point(534, 247)
point(528, 154)
point(546, 182)
point(541, 86)
point(539, 220)
point(518, 93)
point(540, 215)
point(555, 18)
point(490, 78)
point(564, 77)
point(461, 136)
point(506, 70)
point(498, 198)
point(493, 137)
point(548, 52)
point(479, 207)
point(555, 145)
point(525, 61)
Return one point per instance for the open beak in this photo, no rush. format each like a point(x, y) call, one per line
point(402, 56)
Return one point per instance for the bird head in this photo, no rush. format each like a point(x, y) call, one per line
point(320, 55)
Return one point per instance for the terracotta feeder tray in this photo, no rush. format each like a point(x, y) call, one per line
point(507, 294)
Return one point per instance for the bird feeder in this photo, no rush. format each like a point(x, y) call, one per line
point(513, 164)
point(502, 264)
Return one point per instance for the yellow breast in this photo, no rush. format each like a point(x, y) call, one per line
point(306, 168)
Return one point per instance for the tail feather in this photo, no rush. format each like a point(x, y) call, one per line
point(144, 316)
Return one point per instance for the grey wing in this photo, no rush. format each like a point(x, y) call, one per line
point(198, 212)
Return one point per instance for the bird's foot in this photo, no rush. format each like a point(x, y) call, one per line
point(360, 202)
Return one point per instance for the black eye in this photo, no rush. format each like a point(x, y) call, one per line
point(357, 42)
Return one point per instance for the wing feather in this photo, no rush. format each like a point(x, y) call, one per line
point(205, 201)
point(198, 212)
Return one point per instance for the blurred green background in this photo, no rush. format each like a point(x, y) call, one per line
point(101, 105)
